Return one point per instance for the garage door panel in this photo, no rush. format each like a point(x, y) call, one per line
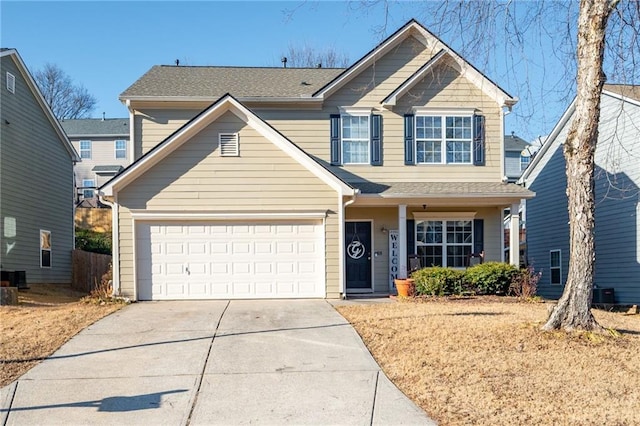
point(230, 260)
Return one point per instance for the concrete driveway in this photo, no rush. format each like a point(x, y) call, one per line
point(211, 362)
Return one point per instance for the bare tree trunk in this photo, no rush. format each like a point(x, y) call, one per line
point(573, 311)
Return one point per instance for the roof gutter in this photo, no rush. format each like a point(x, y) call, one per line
point(304, 98)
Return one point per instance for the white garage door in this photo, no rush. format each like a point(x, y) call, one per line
point(229, 260)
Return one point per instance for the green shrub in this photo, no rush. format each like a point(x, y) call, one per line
point(490, 277)
point(96, 242)
point(437, 281)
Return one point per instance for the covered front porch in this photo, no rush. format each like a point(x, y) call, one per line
point(392, 229)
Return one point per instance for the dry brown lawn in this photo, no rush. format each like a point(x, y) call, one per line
point(47, 316)
point(485, 361)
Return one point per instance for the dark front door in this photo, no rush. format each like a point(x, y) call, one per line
point(358, 255)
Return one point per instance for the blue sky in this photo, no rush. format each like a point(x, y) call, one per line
point(106, 46)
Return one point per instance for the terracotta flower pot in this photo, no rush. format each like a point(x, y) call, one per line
point(405, 286)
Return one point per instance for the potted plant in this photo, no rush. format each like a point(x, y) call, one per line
point(405, 286)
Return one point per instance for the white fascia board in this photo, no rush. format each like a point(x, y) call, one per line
point(452, 195)
point(401, 90)
point(181, 215)
point(164, 149)
point(191, 129)
point(365, 62)
point(292, 150)
point(43, 104)
point(551, 140)
point(621, 97)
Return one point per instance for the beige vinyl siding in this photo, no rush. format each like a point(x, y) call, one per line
point(154, 125)
point(443, 87)
point(388, 217)
point(36, 184)
point(103, 153)
point(196, 178)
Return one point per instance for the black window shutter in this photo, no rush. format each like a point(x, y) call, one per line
point(408, 139)
point(411, 237)
point(336, 152)
point(376, 140)
point(478, 235)
point(478, 140)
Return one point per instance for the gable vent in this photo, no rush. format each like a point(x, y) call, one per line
point(11, 82)
point(229, 145)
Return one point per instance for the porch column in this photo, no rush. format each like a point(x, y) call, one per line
point(402, 240)
point(514, 236)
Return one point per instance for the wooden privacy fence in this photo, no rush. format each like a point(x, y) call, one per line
point(88, 269)
point(98, 220)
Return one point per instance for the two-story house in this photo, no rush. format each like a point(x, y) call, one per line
point(616, 196)
point(285, 182)
point(36, 181)
point(103, 144)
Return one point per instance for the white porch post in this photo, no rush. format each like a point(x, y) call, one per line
point(514, 236)
point(402, 240)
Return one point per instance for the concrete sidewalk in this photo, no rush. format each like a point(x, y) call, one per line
point(211, 362)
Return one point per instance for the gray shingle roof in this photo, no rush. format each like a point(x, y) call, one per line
point(435, 189)
point(96, 126)
point(514, 143)
point(106, 169)
point(214, 82)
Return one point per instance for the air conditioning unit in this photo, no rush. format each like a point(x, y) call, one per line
point(603, 296)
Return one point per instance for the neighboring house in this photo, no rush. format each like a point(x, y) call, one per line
point(103, 145)
point(36, 180)
point(516, 157)
point(617, 189)
point(289, 182)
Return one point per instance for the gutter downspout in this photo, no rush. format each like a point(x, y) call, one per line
point(115, 243)
point(343, 206)
point(132, 118)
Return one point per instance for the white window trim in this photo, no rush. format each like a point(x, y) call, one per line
point(231, 142)
point(527, 163)
point(356, 112)
point(115, 149)
point(422, 217)
point(80, 149)
point(443, 114)
point(42, 248)
point(559, 267)
point(11, 82)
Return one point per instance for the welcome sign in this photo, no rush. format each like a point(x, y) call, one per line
point(394, 259)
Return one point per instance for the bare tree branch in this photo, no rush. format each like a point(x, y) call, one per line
point(66, 99)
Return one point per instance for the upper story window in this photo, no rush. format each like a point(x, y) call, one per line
point(454, 139)
point(121, 148)
point(85, 149)
point(524, 162)
point(11, 82)
point(444, 137)
point(355, 139)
